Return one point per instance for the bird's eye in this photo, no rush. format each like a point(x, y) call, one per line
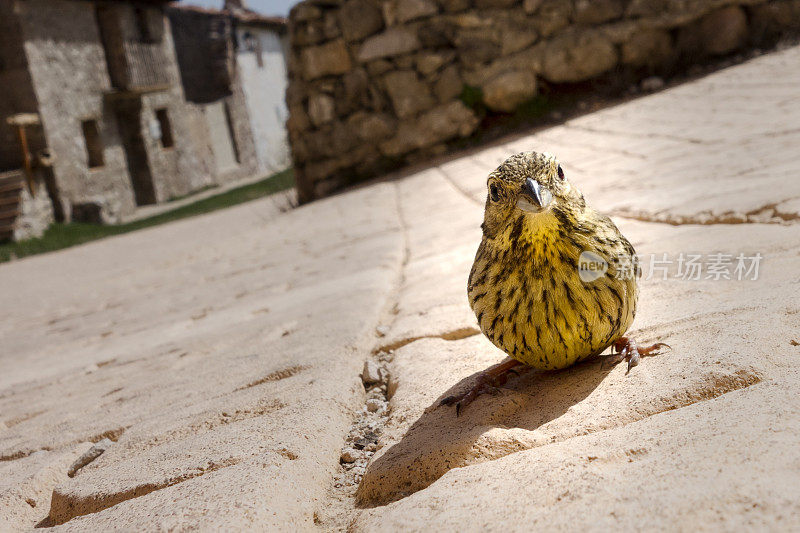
point(494, 192)
point(560, 172)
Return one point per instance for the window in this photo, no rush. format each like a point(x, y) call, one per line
point(94, 145)
point(253, 44)
point(166, 128)
point(143, 25)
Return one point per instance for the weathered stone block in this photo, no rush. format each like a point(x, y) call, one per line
point(321, 109)
point(298, 119)
point(551, 15)
point(430, 62)
point(578, 57)
point(515, 38)
point(304, 11)
point(771, 19)
point(406, 10)
point(378, 67)
point(408, 94)
point(330, 141)
point(529, 59)
point(308, 34)
point(405, 62)
point(392, 42)
point(436, 33)
point(476, 48)
point(359, 19)
point(495, 4)
point(360, 154)
point(439, 124)
point(530, 6)
point(327, 59)
point(454, 6)
point(648, 47)
point(296, 92)
point(645, 8)
point(506, 92)
point(597, 11)
point(330, 26)
point(353, 92)
point(723, 31)
point(372, 127)
point(449, 85)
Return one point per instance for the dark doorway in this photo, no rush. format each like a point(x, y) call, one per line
point(129, 118)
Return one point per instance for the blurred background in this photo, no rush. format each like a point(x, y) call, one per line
point(280, 364)
point(117, 115)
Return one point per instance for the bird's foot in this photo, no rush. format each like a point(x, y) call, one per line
point(487, 383)
point(628, 350)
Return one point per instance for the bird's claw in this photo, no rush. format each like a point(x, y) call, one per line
point(488, 383)
point(627, 349)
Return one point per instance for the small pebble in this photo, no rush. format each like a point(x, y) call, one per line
point(382, 331)
point(653, 83)
point(349, 455)
point(371, 373)
point(374, 405)
point(90, 455)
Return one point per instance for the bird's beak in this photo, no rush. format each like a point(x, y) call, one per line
point(534, 197)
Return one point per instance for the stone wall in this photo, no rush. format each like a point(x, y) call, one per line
point(375, 84)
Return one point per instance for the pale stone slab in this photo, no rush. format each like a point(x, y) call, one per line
point(212, 351)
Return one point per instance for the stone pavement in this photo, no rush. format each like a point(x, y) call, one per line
point(222, 354)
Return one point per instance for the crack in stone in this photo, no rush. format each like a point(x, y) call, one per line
point(64, 507)
point(768, 214)
point(454, 335)
point(21, 454)
point(458, 187)
point(639, 134)
point(111, 434)
point(274, 376)
point(361, 442)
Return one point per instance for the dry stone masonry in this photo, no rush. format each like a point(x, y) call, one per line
point(375, 84)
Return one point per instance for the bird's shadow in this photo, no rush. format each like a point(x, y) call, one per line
point(438, 441)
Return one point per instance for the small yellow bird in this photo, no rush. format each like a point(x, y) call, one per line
point(554, 281)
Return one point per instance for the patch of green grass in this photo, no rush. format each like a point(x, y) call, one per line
point(60, 236)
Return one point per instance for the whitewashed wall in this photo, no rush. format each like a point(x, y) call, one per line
point(264, 88)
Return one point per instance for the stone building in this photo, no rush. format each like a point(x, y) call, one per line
point(261, 59)
point(114, 124)
point(232, 60)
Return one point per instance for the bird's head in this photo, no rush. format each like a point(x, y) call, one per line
point(529, 190)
